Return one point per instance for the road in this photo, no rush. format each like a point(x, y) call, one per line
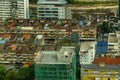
point(85, 7)
point(93, 7)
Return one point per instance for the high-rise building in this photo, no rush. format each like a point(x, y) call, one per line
point(53, 9)
point(18, 9)
point(56, 65)
point(87, 52)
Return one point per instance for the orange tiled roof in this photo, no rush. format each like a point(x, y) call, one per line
point(13, 47)
point(6, 35)
point(26, 36)
point(107, 60)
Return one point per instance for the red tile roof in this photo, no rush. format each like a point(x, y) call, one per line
point(26, 36)
point(107, 60)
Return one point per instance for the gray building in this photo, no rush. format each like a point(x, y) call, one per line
point(53, 9)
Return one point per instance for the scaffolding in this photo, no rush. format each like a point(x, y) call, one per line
point(54, 72)
point(58, 70)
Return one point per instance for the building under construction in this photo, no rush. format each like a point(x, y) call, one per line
point(56, 65)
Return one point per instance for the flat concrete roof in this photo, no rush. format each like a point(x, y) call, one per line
point(63, 56)
point(51, 2)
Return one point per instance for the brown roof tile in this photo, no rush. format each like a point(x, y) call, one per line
point(107, 60)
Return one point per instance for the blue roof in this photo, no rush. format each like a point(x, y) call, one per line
point(2, 41)
point(51, 2)
point(81, 23)
point(102, 47)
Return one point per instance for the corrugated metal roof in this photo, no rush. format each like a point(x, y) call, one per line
point(51, 2)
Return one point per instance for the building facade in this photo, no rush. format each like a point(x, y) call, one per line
point(114, 43)
point(100, 72)
point(18, 9)
point(87, 52)
point(94, 0)
point(56, 65)
point(53, 9)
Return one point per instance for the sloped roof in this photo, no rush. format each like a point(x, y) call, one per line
point(26, 36)
point(107, 60)
point(51, 2)
point(6, 35)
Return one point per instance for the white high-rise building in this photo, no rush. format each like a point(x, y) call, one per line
point(87, 52)
point(18, 9)
point(53, 9)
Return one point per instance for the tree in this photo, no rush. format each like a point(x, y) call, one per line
point(11, 75)
point(26, 73)
point(2, 72)
point(105, 27)
point(33, 1)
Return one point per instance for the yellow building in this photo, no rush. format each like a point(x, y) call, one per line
point(100, 72)
point(94, 0)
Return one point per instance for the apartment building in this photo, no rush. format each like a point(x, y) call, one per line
point(18, 9)
point(100, 72)
point(53, 9)
point(56, 65)
point(87, 52)
point(114, 43)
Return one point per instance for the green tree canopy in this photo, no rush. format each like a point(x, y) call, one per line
point(105, 27)
point(2, 73)
point(11, 75)
point(26, 73)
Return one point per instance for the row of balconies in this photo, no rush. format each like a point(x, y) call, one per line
point(8, 58)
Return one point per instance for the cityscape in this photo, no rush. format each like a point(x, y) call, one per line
point(59, 39)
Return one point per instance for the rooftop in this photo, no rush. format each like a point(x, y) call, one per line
point(102, 47)
point(85, 46)
point(107, 60)
point(56, 57)
point(96, 66)
point(112, 38)
point(51, 2)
